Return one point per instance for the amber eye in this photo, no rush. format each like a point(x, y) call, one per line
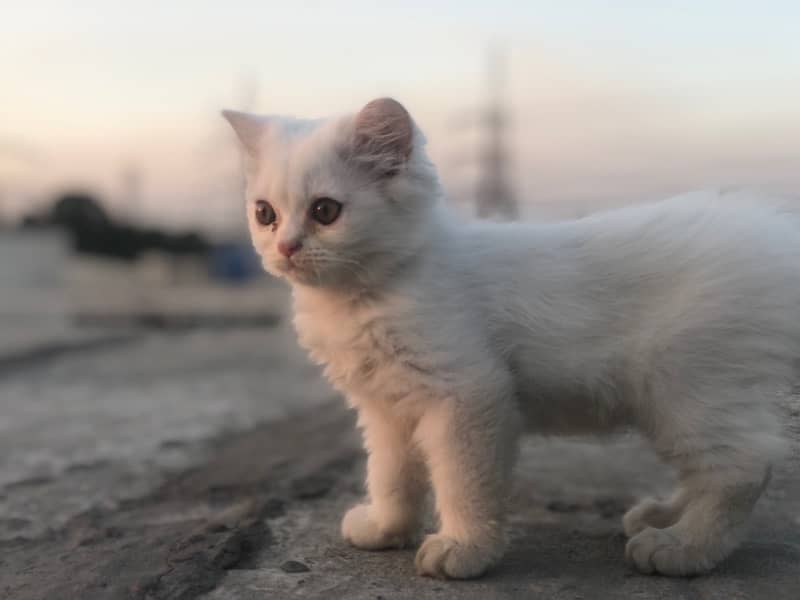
point(325, 210)
point(265, 214)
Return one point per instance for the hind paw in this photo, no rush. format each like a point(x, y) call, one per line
point(662, 551)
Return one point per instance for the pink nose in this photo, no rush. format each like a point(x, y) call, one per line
point(289, 248)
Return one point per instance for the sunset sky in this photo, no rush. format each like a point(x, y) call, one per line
point(611, 101)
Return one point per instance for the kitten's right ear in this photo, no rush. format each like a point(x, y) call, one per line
point(249, 129)
point(383, 136)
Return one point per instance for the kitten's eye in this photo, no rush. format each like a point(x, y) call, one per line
point(265, 214)
point(325, 210)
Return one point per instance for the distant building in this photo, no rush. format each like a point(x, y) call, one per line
point(32, 275)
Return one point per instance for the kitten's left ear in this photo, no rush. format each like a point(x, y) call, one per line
point(249, 129)
point(383, 136)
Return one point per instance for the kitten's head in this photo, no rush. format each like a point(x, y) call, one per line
point(340, 202)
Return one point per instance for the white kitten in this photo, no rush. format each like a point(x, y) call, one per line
point(449, 338)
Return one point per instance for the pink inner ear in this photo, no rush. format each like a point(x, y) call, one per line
point(383, 133)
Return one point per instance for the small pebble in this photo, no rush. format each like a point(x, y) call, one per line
point(294, 566)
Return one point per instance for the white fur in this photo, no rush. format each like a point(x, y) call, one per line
point(677, 318)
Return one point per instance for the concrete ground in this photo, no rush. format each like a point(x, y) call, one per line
point(216, 464)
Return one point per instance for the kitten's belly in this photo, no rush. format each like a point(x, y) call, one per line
point(563, 411)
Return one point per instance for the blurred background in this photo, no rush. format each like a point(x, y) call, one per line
point(134, 319)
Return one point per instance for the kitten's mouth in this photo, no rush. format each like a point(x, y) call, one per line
point(281, 268)
point(292, 270)
point(289, 267)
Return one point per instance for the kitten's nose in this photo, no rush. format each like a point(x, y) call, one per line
point(289, 248)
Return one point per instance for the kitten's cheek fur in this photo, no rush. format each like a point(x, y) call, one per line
point(270, 266)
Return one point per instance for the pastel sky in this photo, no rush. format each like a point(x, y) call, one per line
point(612, 101)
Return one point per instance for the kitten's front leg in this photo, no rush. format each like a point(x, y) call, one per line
point(396, 485)
point(470, 451)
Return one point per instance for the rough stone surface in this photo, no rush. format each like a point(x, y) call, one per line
point(567, 539)
point(228, 528)
point(179, 541)
point(90, 426)
point(134, 471)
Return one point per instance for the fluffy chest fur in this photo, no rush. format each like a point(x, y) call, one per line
point(367, 353)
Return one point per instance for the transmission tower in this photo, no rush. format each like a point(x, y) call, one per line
point(131, 178)
point(495, 197)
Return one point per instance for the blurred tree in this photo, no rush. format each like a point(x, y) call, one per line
point(93, 231)
point(79, 210)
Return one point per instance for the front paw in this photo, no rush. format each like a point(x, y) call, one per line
point(362, 530)
point(444, 557)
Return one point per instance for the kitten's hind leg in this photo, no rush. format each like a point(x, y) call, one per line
point(710, 528)
point(724, 466)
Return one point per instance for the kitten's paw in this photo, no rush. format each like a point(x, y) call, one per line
point(363, 531)
point(662, 551)
point(445, 557)
point(649, 513)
